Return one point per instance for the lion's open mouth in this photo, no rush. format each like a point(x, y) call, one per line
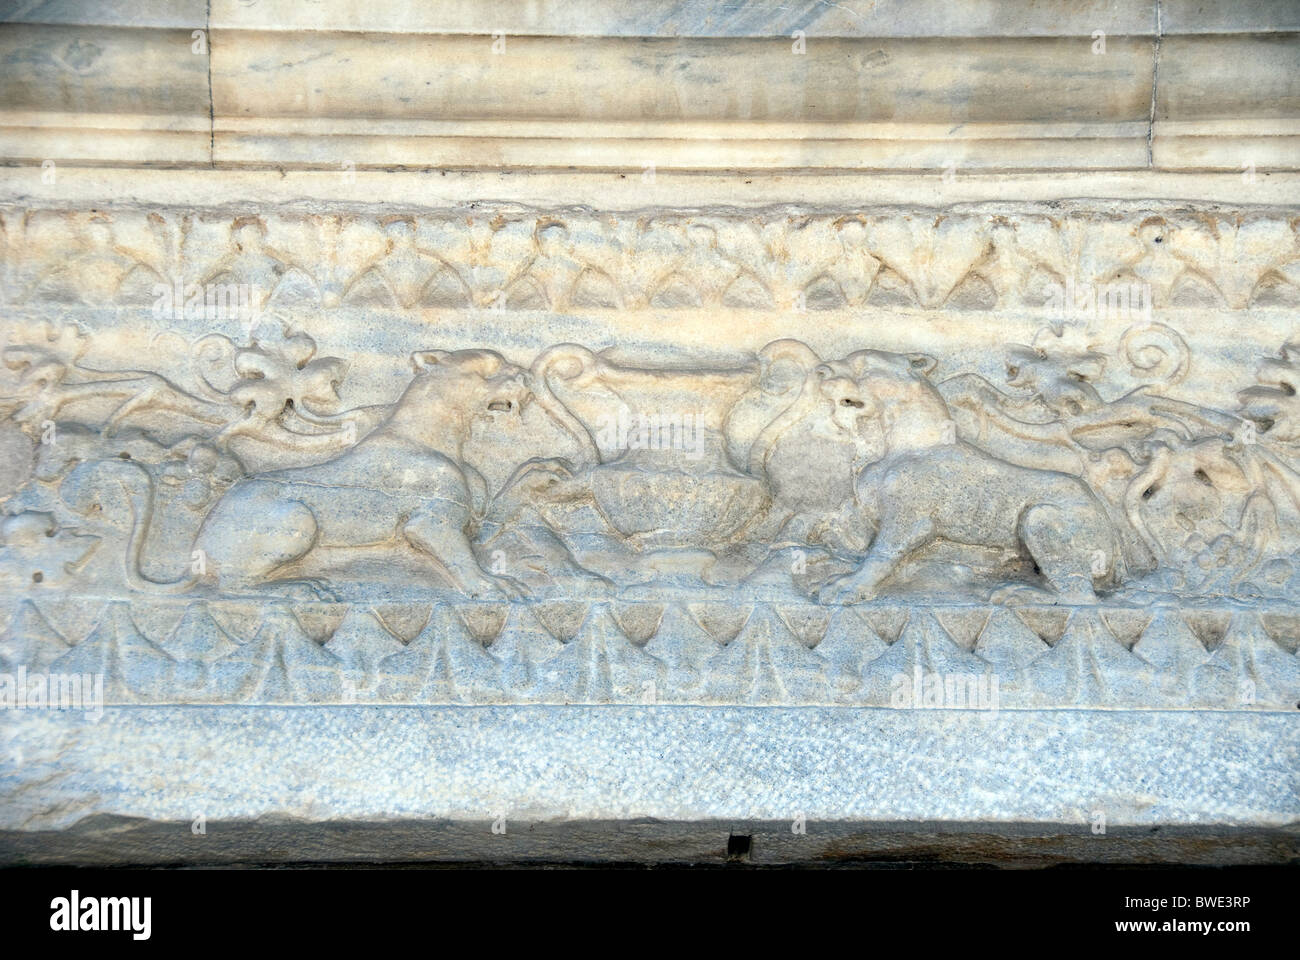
point(501, 406)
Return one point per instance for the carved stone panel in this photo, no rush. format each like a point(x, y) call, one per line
point(644, 427)
point(340, 457)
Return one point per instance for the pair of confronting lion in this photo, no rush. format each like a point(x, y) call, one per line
point(407, 484)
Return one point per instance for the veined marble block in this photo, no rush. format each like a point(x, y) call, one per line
point(369, 498)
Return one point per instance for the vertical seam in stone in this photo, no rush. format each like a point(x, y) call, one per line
point(1155, 77)
point(212, 123)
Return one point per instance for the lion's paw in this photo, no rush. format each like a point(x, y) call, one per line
point(496, 586)
point(307, 590)
point(844, 590)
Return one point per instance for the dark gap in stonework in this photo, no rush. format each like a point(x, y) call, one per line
point(739, 847)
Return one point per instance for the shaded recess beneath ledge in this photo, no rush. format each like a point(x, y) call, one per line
point(123, 841)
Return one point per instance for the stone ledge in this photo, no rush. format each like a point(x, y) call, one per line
point(87, 186)
point(1050, 773)
point(123, 841)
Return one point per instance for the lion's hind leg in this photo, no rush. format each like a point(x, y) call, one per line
point(1059, 540)
point(897, 538)
point(253, 532)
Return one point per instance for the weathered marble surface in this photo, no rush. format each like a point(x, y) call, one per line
point(365, 491)
point(160, 415)
point(658, 520)
point(626, 86)
point(670, 763)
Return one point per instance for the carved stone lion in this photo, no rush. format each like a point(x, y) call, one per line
point(929, 485)
point(405, 484)
point(783, 433)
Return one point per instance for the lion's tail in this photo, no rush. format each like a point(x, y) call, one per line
point(87, 488)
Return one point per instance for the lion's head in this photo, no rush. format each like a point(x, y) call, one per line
point(485, 382)
point(453, 388)
point(873, 383)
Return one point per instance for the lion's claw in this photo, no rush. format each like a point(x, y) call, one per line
point(308, 590)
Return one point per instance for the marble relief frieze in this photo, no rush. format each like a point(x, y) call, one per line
point(971, 257)
point(325, 457)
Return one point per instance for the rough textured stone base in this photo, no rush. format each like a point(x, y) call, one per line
point(362, 782)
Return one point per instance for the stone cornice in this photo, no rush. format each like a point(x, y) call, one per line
point(1015, 88)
